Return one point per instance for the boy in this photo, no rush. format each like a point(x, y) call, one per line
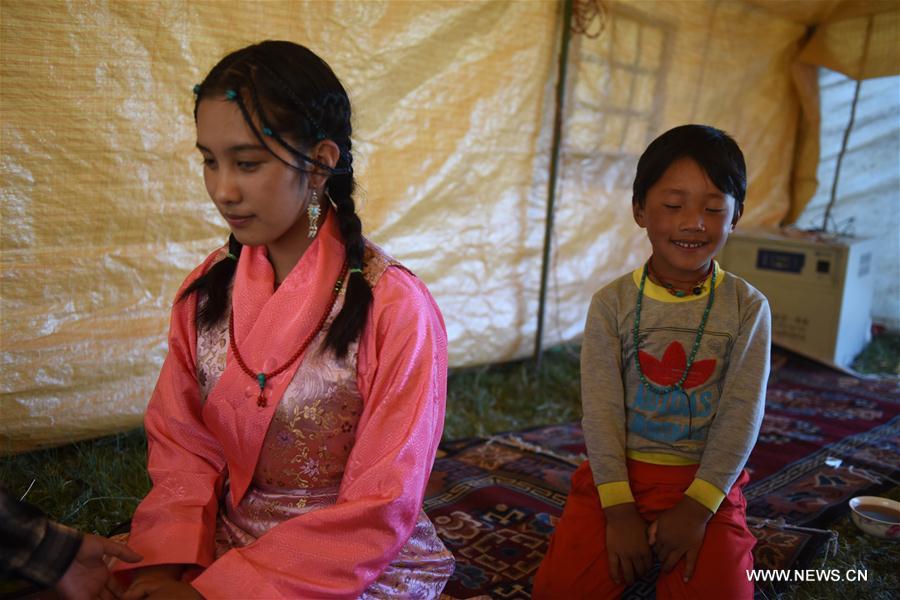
point(674, 366)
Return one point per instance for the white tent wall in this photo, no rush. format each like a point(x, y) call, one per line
point(867, 202)
point(104, 210)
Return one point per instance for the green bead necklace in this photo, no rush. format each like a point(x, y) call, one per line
point(694, 348)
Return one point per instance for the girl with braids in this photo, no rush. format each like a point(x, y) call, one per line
point(298, 412)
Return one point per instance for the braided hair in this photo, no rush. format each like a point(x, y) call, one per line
point(284, 90)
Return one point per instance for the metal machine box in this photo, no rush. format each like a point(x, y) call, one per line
point(819, 288)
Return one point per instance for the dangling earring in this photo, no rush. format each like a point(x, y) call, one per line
point(313, 211)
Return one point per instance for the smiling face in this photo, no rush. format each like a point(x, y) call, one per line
point(262, 199)
point(687, 219)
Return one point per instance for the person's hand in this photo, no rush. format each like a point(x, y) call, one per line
point(148, 580)
point(88, 574)
point(679, 532)
point(113, 590)
point(626, 543)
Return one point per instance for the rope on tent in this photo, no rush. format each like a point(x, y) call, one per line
point(840, 157)
point(584, 14)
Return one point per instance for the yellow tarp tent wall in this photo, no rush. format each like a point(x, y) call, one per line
point(104, 211)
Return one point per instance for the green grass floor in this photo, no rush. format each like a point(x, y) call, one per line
point(96, 485)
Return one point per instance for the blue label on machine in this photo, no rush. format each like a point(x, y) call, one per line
point(779, 260)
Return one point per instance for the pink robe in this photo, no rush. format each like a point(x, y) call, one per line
point(319, 494)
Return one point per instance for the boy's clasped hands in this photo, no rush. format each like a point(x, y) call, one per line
point(631, 541)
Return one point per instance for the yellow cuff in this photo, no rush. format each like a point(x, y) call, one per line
point(658, 458)
point(706, 494)
point(616, 492)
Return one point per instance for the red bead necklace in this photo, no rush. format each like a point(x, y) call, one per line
point(696, 287)
point(262, 377)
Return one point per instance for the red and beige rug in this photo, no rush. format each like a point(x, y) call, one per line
point(826, 437)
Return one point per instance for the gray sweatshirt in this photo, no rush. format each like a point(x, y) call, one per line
point(714, 422)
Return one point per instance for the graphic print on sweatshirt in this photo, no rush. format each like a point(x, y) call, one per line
point(681, 415)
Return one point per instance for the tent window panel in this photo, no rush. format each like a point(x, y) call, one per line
point(616, 87)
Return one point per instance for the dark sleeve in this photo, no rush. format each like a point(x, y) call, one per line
point(31, 545)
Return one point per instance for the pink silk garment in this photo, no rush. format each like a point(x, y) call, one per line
point(318, 494)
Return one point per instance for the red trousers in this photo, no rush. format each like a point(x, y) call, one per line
point(576, 564)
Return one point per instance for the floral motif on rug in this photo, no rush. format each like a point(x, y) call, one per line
point(496, 502)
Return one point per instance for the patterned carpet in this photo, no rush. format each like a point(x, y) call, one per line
point(496, 502)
